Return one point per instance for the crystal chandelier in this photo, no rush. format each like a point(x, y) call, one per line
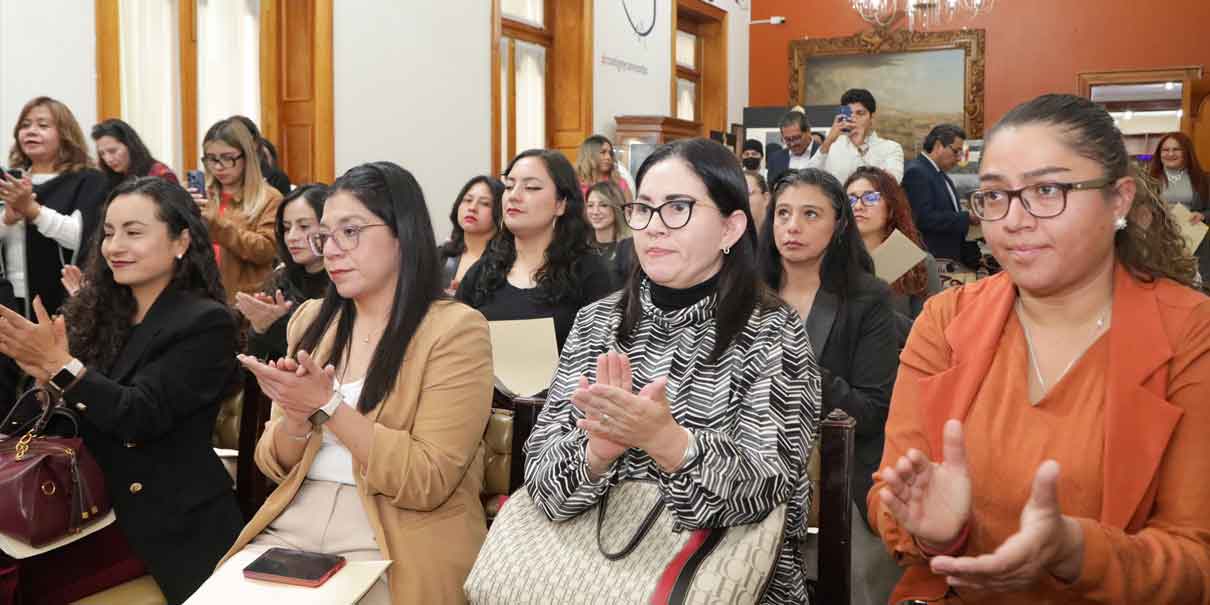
point(921, 14)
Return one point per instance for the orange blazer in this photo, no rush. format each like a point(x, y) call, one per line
point(1151, 541)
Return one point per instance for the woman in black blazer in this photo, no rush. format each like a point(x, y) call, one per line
point(813, 256)
point(147, 355)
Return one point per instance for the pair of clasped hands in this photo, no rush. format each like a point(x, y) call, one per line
point(299, 386)
point(616, 419)
point(932, 502)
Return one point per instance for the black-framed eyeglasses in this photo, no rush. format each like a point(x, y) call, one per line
point(673, 213)
point(224, 161)
point(1042, 200)
point(869, 198)
point(958, 150)
point(346, 238)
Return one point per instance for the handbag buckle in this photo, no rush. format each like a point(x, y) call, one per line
point(23, 445)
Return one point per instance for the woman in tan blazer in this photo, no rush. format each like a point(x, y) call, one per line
point(239, 207)
point(375, 439)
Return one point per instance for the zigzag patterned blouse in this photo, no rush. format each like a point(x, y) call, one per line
point(754, 416)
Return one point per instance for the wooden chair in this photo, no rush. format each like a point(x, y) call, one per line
point(835, 575)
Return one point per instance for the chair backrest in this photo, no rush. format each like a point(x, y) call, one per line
point(251, 486)
point(835, 509)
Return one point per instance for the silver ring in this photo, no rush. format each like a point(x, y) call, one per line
point(604, 418)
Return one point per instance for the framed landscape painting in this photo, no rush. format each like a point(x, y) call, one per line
point(920, 79)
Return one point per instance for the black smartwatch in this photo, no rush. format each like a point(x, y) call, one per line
point(66, 377)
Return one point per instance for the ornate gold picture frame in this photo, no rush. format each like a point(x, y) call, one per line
point(887, 40)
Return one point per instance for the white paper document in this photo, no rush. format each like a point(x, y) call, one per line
point(896, 256)
point(525, 355)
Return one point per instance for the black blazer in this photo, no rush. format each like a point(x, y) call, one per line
point(857, 343)
point(779, 162)
point(83, 190)
point(943, 228)
point(148, 420)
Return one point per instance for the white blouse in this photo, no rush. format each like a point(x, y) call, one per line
point(64, 229)
point(334, 462)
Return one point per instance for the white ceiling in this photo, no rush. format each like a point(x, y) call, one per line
point(1137, 92)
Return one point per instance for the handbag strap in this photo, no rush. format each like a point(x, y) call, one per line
point(639, 533)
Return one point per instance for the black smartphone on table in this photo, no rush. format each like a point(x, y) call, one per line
point(295, 567)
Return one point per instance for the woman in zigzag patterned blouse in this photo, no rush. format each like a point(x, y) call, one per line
point(727, 408)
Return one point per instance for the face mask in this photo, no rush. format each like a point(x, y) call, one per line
point(751, 163)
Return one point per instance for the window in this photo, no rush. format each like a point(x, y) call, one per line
point(525, 45)
point(688, 74)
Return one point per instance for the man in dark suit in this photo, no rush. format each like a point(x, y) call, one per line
point(935, 208)
point(796, 134)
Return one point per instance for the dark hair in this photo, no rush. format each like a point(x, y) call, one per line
point(859, 95)
point(140, 158)
point(945, 133)
point(761, 183)
point(1150, 249)
point(740, 292)
point(314, 195)
point(793, 117)
point(754, 145)
point(845, 257)
point(100, 316)
point(558, 280)
point(898, 216)
point(456, 244)
point(393, 195)
point(1197, 176)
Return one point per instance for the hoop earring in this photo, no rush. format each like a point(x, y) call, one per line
point(1119, 224)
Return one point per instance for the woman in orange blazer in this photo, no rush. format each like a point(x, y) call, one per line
point(1046, 440)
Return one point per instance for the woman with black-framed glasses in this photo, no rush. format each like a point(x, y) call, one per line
point(239, 207)
point(540, 264)
point(701, 378)
point(1046, 421)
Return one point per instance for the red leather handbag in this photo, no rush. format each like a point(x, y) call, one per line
point(50, 486)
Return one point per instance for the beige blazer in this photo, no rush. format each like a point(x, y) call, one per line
point(421, 486)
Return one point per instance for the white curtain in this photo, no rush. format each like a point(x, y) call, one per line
point(531, 96)
point(228, 61)
point(150, 75)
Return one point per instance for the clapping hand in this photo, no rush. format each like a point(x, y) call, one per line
point(262, 310)
point(298, 387)
point(1047, 543)
point(40, 349)
point(72, 279)
point(19, 196)
point(931, 501)
point(621, 418)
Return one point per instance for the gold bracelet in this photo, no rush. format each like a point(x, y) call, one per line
point(296, 437)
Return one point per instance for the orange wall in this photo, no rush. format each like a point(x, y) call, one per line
point(1033, 46)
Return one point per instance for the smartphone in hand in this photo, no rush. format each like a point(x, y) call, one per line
point(846, 113)
point(196, 180)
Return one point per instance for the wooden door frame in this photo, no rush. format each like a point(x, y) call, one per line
point(109, 60)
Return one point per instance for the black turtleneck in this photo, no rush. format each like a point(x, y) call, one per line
point(673, 299)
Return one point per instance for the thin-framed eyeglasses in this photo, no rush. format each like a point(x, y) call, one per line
point(867, 199)
point(673, 213)
point(345, 237)
point(224, 161)
point(1042, 200)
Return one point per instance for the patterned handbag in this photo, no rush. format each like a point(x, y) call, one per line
point(627, 553)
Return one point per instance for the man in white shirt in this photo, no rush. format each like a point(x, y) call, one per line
point(852, 142)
